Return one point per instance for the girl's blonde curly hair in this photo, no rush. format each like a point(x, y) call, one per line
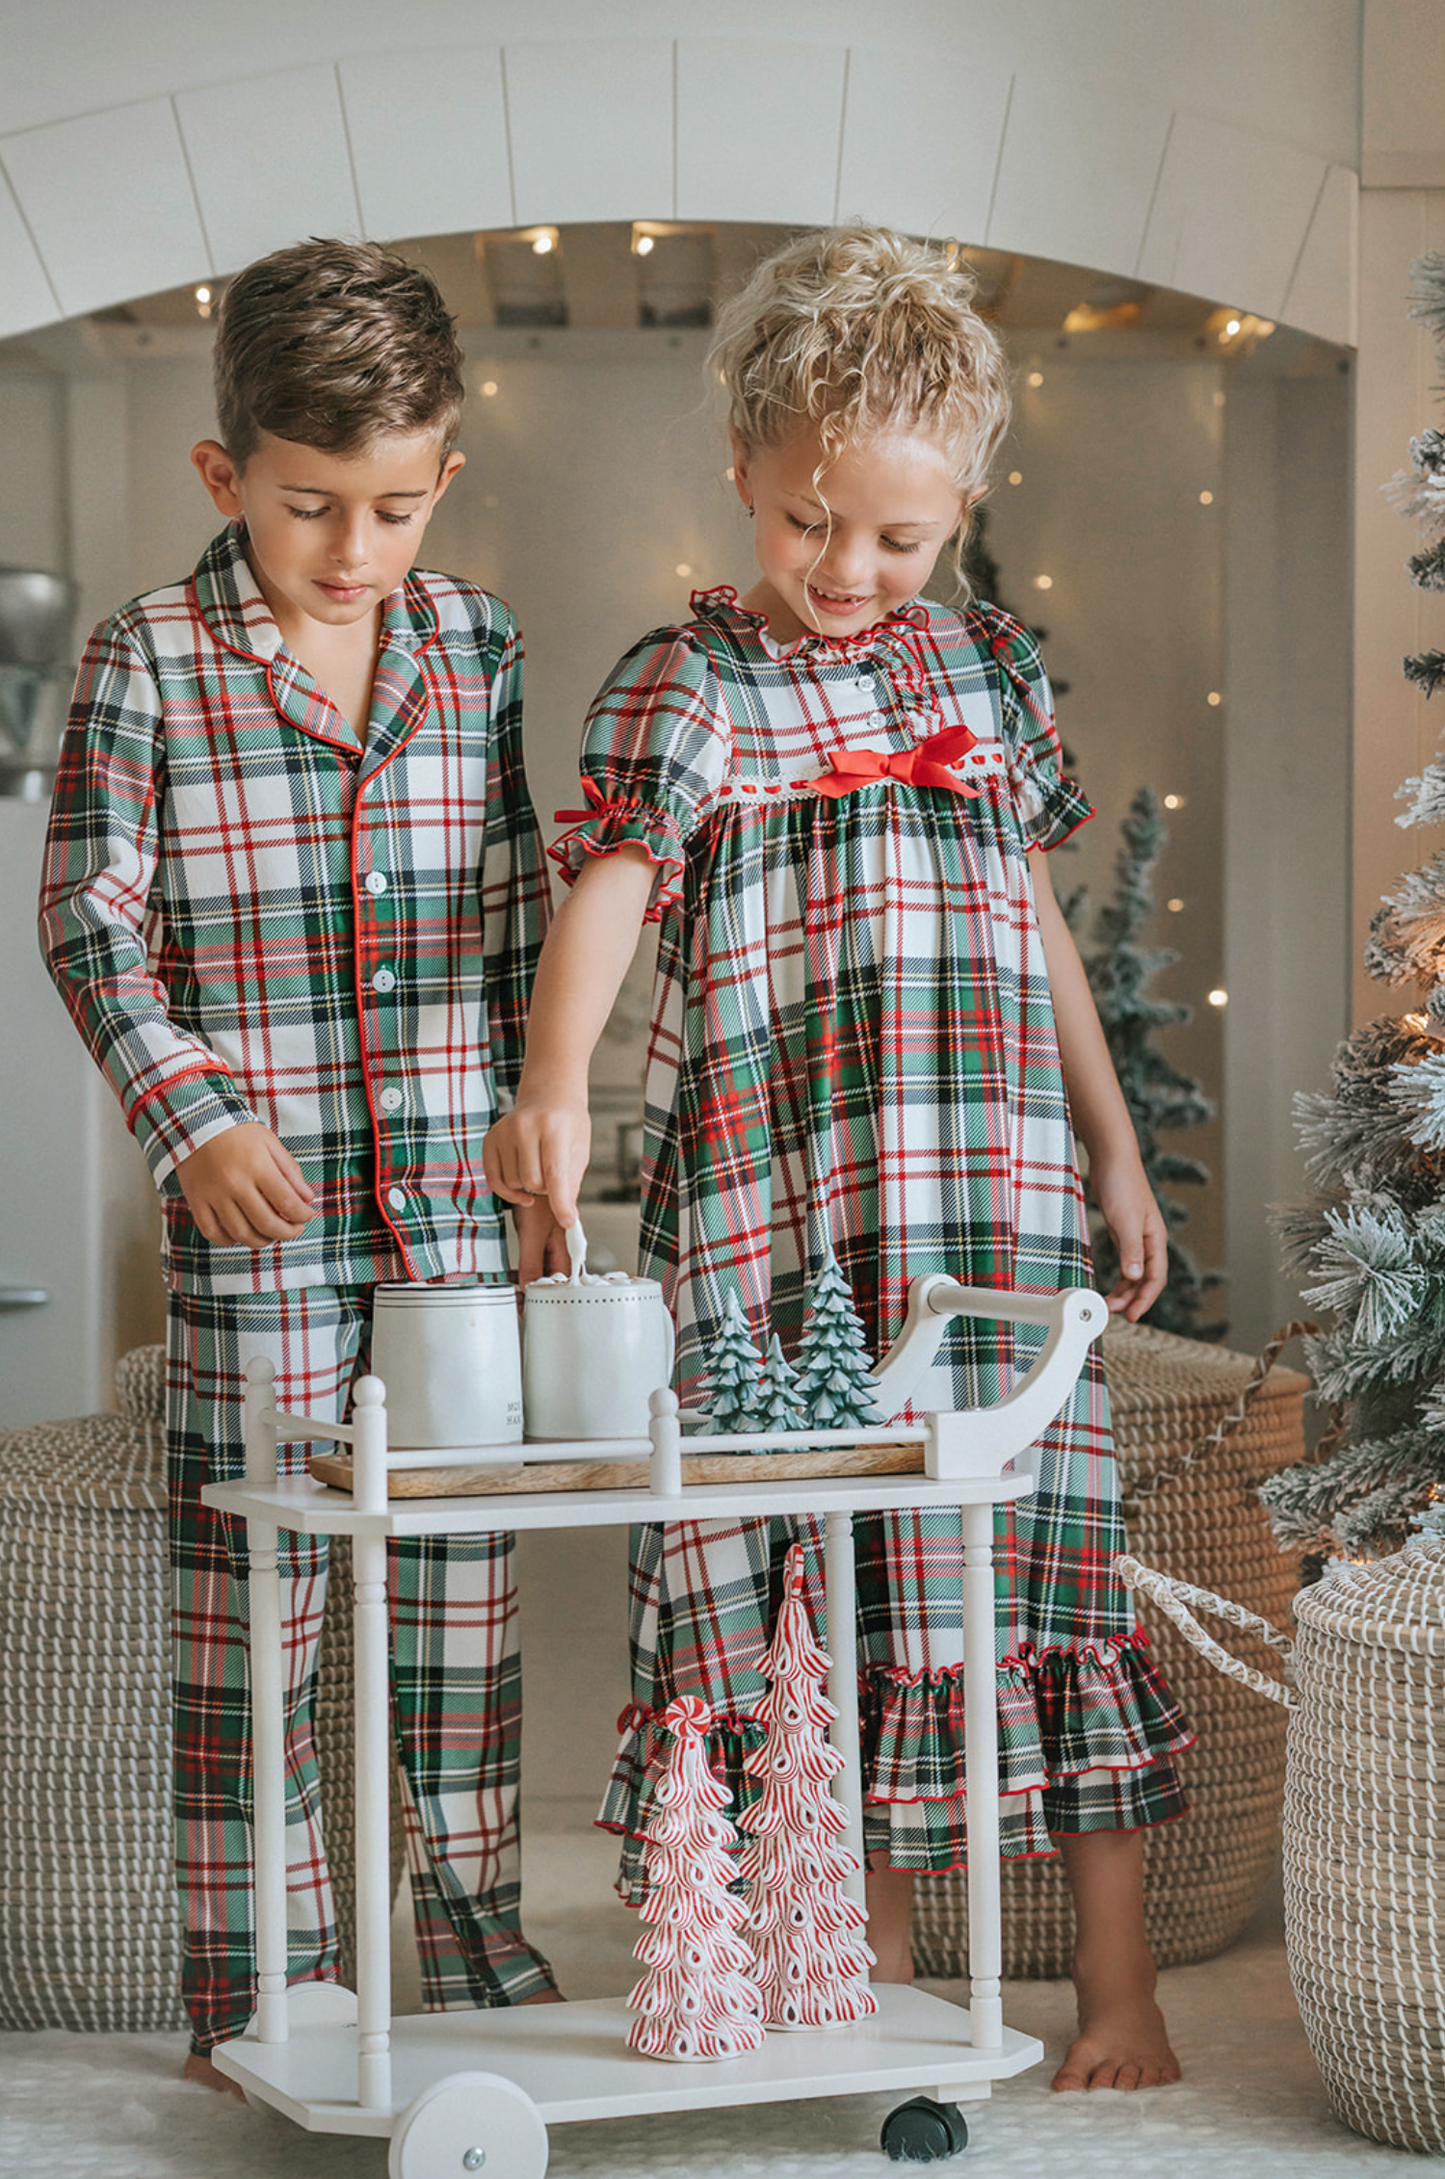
point(860, 331)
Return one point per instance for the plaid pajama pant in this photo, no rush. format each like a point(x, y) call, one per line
point(456, 1678)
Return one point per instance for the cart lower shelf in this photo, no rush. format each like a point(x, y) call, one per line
point(572, 2061)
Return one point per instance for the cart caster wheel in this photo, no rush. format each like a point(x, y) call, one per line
point(470, 2123)
point(923, 2132)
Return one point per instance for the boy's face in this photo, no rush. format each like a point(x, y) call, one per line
point(329, 536)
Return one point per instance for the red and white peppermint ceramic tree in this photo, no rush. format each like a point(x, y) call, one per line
point(811, 1961)
point(698, 1998)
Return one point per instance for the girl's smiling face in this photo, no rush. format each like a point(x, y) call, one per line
point(843, 542)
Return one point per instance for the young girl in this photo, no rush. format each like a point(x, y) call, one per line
point(867, 1005)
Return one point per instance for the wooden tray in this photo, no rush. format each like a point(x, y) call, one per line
point(545, 1475)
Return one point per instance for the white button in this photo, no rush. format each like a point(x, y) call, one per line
point(376, 881)
point(383, 980)
point(875, 718)
point(390, 1100)
point(396, 1197)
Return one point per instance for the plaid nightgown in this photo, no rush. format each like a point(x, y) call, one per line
point(853, 1047)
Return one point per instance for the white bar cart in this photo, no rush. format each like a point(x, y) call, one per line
point(475, 2091)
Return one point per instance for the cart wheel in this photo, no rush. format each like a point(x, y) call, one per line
point(923, 2132)
point(469, 2123)
point(321, 2005)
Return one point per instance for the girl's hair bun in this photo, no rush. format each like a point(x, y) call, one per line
point(859, 330)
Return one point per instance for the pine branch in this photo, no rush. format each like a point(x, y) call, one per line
point(1428, 274)
point(1427, 569)
point(1426, 670)
point(1426, 794)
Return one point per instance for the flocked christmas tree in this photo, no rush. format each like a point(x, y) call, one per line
point(1370, 1246)
point(698, 1998)
point(835, 1380)
point(730, 1388)
point(806, 1933)
point(777, 1405)
point(1159, 1097)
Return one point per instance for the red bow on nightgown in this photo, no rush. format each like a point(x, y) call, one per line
point(924, 766)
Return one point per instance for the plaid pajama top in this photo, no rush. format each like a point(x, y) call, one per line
point(252, 918)
point(853, 1047)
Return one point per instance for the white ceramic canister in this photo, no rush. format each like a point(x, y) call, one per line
point(593, 1353)
point(451, 1360)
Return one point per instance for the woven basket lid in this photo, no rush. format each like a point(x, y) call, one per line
point(1394, 1603)
point(1147, 1368)
point(105, 1462)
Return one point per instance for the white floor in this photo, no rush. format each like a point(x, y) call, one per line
point(74, 2106)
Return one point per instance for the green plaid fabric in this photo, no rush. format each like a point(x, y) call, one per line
point(853, 1048)
point(251, 918)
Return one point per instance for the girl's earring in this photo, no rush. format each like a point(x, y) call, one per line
point(749, 505)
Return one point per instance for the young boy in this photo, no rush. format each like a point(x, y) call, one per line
point(293, 897)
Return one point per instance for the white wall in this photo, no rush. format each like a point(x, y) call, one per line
point(1212, 149)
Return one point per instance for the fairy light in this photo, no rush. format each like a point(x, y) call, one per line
point(1206, 499)
point(1219, 996)
point(1035, 378)
point(1043, 582)
point(684, 567)
point(645, 245)
point(1016, 476)
point(488, 387)
point(1214, 697)
point(1175, 906)
point(1233, 326)
point(544, 242)
point(1173, 801)
point(203, 302)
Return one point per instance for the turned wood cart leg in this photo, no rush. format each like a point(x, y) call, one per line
point(841, 1607)
point(373, 1758)
point(980, 1712)
point(268, 1715)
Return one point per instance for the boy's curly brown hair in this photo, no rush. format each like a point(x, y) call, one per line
point(335, 345)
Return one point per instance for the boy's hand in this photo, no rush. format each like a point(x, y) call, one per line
point(1137, 1226)
point(538, 1151)
point(245, 1188)
point(541, 1246)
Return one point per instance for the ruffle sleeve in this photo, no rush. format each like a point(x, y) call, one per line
point(654, 754)
point(1049, 806)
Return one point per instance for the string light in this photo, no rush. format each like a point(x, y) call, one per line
point(488, 387)
point(1175, 906)
point(1206, 499)
point(684, 567)
point(1173, 801)
point(1016, 476)
point(645, 245)
point(1035, 378)
point(1214, 697)
point(203, 302)
point(1233, 326)
point(1043, 582)
point(544, 242)
point(1218, 997)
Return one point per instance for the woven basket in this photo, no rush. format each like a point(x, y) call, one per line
point(1186, 1505)
point(1364, 1836)
point(89, 1920)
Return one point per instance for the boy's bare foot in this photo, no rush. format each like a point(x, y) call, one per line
point(199, 2070)
point(890, 1905)
point(1122, 2040)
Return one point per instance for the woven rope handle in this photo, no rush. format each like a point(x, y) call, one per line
point(1228, 1424)
point(1175, 1597)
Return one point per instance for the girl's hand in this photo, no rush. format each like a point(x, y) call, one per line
point(538, 1153)
point(1137, 1227)
point(245, 1189)
point(541, 1247)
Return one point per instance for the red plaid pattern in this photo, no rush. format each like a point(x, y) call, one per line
point(853, 1048)
point(251, 918)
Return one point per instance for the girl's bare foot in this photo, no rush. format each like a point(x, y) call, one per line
point(199, 2069)
point(1122, 2040)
